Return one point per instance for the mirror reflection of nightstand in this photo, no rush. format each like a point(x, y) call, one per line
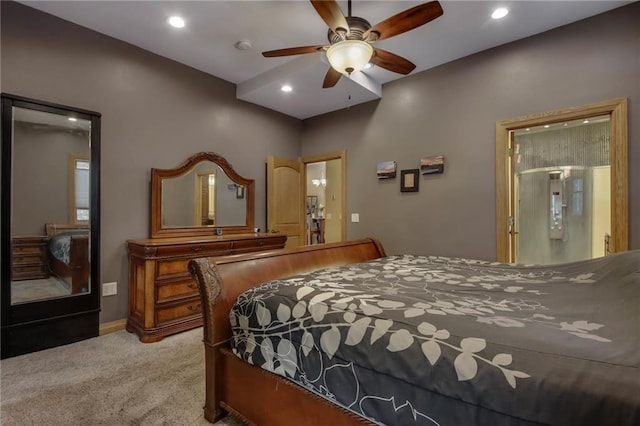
point(28, 258)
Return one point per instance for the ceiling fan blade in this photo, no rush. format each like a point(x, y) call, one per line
point(405, 21)
point(292, 51)
point(392, 62)
point(331, 14)
point(331, 78)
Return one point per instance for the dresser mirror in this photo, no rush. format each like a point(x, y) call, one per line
point(50, 223)
point(202, 196)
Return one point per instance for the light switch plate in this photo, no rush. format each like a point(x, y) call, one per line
point(355, 217)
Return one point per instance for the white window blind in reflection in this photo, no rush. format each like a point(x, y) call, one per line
point(82, 190)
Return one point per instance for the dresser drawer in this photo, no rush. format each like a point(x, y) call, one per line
point(26, 258)
point(178, 311)
point(28, 272)
point(224, 247)
point(36, 250)
point(172, 267)
point(171, 289)
point(256, 244)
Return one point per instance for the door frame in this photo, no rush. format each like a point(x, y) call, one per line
point(617, 110)
point(335, 155)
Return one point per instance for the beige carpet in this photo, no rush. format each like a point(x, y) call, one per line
point(109, 380)
point(40, 289)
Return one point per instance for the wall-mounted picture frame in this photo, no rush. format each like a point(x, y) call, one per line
point(387, 169)
point(239, 191)
point(409, 180)
point(432, 165)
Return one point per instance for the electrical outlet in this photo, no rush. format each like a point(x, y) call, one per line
point(109, 289)
point(355, 217)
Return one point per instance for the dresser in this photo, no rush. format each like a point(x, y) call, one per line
point(28, 258)
point(163, 298)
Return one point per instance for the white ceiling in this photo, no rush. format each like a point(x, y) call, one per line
point(213, 27)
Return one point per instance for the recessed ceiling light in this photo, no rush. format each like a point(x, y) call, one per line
point(546, 126)
point(72, 119)
point(176, 22)
point(500, 13)
point(586, 121)
point(286, 88)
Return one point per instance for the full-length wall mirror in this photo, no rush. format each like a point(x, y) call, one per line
point(202, 196)
point(50, 224)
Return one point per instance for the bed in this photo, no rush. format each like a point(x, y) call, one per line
point(342, 334)
point(68, 255)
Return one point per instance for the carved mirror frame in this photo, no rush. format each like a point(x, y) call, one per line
point(157, 177)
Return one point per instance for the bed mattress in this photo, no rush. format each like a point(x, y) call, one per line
point(428, 340)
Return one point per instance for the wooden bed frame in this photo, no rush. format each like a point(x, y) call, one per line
point(76, 274)
point(250, 393)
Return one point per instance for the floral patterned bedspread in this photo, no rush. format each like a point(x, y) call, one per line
point(426, 340)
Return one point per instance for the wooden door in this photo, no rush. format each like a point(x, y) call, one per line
point(285, 197)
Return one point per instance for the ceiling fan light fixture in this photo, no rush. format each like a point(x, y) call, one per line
point(349, 56)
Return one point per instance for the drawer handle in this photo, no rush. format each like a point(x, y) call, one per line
point(196, 248)
point(194, 308)
point(192, 286)
point(260, 243)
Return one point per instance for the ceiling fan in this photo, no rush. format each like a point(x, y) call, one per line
point(351, 38)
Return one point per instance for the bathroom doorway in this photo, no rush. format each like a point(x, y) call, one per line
point(561, 182)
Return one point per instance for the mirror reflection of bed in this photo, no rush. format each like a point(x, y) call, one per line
point(52, 265)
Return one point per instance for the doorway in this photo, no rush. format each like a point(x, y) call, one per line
point(306, 198)
point(561, 184)
point(325, 190)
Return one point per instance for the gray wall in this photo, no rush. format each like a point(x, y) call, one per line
point(155, 113)
point(452, 110)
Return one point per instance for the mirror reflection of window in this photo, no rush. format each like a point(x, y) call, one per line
point(80, 194)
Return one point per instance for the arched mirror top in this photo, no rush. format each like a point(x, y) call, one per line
point(202, 196)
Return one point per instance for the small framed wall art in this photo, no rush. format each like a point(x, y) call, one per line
point(387, 170)
point(409, 180)
point(431, 165)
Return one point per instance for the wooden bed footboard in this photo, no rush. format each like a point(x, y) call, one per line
point(76, 273)
point(252, 394)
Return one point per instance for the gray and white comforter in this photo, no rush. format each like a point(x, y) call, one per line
point(407, 340)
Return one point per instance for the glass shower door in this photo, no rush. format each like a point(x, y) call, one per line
point(561, 190)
